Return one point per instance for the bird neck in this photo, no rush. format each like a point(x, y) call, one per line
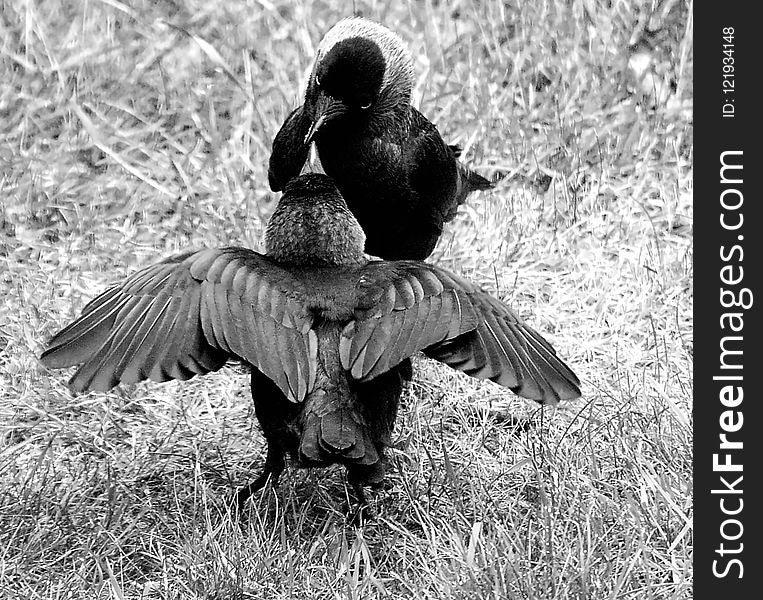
point(316, 231)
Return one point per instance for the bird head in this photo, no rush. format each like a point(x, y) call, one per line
point(362, 71)
point(312, 226)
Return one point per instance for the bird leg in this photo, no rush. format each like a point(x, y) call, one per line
point(274, 466)
point(363, 512)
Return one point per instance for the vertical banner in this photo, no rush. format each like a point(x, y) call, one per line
point(728, 459)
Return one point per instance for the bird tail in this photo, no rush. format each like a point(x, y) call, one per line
point(335, 431)
point(468, 182)
point(474, 181)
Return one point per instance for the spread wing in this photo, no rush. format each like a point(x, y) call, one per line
point(404, 307)
point(188, 315)
point(289, 149)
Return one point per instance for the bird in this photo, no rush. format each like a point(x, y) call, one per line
point(323, 327)
point(399, 178)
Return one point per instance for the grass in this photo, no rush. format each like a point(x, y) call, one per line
point(131, 131)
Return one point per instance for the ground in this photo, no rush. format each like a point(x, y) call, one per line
point(131, 131)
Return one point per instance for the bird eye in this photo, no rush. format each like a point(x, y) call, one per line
point(366, 106)
point(317, 81)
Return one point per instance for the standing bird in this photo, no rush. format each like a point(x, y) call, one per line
point(322, 327)
point(397, 175)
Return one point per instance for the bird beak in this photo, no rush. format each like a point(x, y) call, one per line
point(326, 109)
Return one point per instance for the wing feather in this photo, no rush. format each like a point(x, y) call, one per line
point(404, 307)
point(186, 316)
point(289, 149)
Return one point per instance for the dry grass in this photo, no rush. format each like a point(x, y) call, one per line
point(124, 139)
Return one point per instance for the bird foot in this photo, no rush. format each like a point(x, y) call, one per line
point(242, 494)
point(274, 466)
point(361, 515)
point(363, 512)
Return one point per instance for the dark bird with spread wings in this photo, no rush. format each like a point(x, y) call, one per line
point(397, 175)
point(322, 327)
